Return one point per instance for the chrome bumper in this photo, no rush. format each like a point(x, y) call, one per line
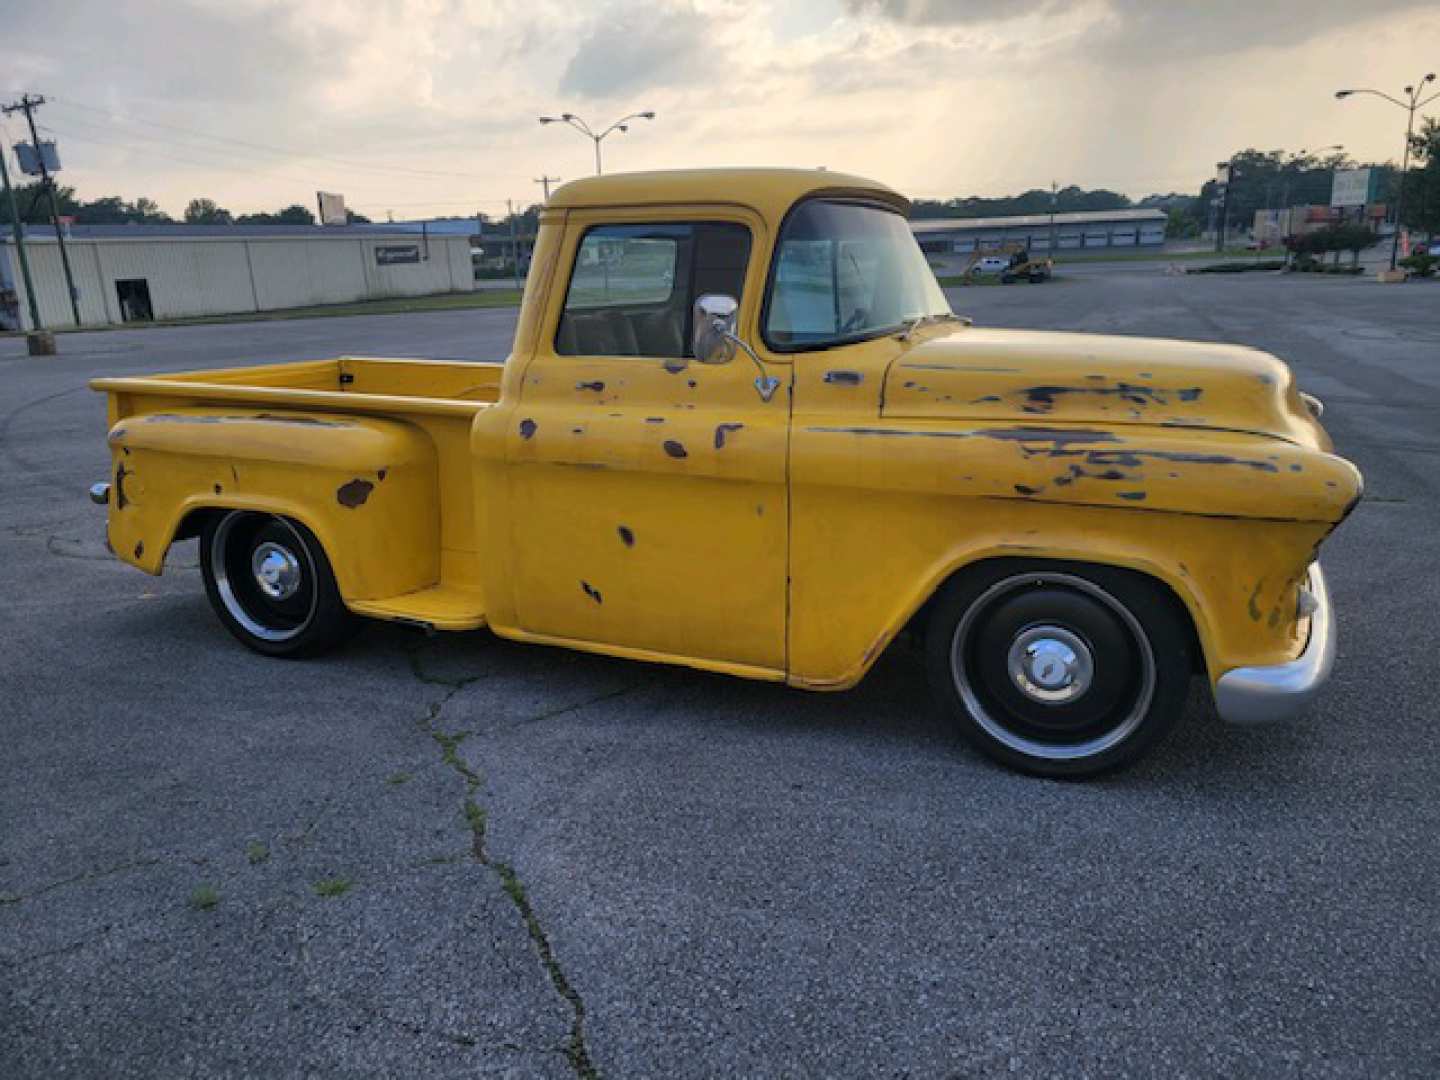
point(1254, 695)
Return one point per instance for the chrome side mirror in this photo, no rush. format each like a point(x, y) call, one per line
point(714, 341)
point(713, 336)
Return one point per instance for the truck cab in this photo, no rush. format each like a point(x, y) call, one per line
point(740, 429)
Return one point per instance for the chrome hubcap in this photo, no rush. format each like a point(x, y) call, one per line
point(276, 570)
point(1050, 664)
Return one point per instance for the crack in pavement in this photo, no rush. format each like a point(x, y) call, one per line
point(575, 1050)
point(93, 875)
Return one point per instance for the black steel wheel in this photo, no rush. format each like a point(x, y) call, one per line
point(1059, 670)
point(268, 579)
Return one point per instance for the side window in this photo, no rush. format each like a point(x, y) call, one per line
point(633, 286)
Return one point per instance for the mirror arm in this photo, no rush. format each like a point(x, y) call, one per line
point(765, 385)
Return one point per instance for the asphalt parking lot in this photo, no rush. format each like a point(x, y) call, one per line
point(685, 875)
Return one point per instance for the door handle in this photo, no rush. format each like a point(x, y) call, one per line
point(844, 378)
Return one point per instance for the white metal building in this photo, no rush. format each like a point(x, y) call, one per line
point(126, 273)
point(1073, 231)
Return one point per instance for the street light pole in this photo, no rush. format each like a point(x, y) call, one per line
point(1410, 104)
point(622, 125)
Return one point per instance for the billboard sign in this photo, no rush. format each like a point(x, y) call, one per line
point(332, 208)
point(1354, 187)
point(396, 254)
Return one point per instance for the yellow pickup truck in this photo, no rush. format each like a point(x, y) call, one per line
point(740, 429)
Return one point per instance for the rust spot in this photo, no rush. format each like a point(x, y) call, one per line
point(592, 592)
point(691, 383)
point(1254, 608)
point(1024, 489)
point(354, 493)
point(1133, 496)
point(988, 399)
point(527, 428)
point(307, 421)
point(120, 499)
point(675, 449)
point(1132, 458)
point(627, 535)
point(218, 489)
point(1042, 398)
point(654, 419)
point(139, 549)
point(1297, 468)
point(596, 386)
point(900, 432)
point(721, 430)
point(1060, 439)
point(381, 473)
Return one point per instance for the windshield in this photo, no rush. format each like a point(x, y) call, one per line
point(844, 272)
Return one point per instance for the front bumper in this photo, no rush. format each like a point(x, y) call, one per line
point(1254, 695)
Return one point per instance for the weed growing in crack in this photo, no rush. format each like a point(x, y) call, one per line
point(397, 778)
point(204, 898)
point(332, 887)
point(256, 852)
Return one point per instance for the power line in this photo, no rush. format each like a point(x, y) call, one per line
point(268, 148)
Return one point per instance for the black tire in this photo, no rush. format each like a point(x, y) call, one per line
point(1060, 670)
point(1007, 279)
point(1036, 279)
point(290, 607)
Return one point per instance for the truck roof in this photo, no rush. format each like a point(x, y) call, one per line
point(769, 191)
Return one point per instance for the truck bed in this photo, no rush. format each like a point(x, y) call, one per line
point(440, 399)
point(432, 381)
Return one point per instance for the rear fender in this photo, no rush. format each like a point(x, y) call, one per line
point(366, 487)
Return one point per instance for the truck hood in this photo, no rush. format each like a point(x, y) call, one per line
point(965, 373)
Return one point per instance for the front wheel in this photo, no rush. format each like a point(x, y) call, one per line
point(1059, 671)
point(268, 579)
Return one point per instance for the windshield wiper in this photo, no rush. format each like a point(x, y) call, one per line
point(925, 320)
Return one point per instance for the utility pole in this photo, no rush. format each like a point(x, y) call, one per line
point(36, 327)
point(514, 243)
point(1225, 174)
point(545, 182)
point(1054, 198)
point(28, 104)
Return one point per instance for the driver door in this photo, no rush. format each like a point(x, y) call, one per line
point(649, 491)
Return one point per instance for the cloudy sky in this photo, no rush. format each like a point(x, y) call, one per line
point(428, 106)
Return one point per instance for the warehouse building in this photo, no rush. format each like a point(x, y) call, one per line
point(131, 273)
point(952, 239)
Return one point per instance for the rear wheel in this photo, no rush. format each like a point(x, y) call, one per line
point(268, 579)
point(1059, 671)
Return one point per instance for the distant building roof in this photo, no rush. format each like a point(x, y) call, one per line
point(1020, 221)
point(180, 231)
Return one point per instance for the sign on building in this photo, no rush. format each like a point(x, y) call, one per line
point(1354, 187)
point(332, 208)
point(394, 254)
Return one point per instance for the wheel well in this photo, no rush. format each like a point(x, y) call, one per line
point(1009, 565)
point(193, 523)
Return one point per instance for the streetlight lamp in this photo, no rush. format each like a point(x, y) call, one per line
point(623, 124)
point(1410, 104)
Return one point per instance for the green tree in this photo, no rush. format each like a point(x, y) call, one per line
point(34, 204)
point(148, 210)
point(206, 212)
point(1422, 184)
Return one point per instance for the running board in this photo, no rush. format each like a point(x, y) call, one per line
point(440, 607)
